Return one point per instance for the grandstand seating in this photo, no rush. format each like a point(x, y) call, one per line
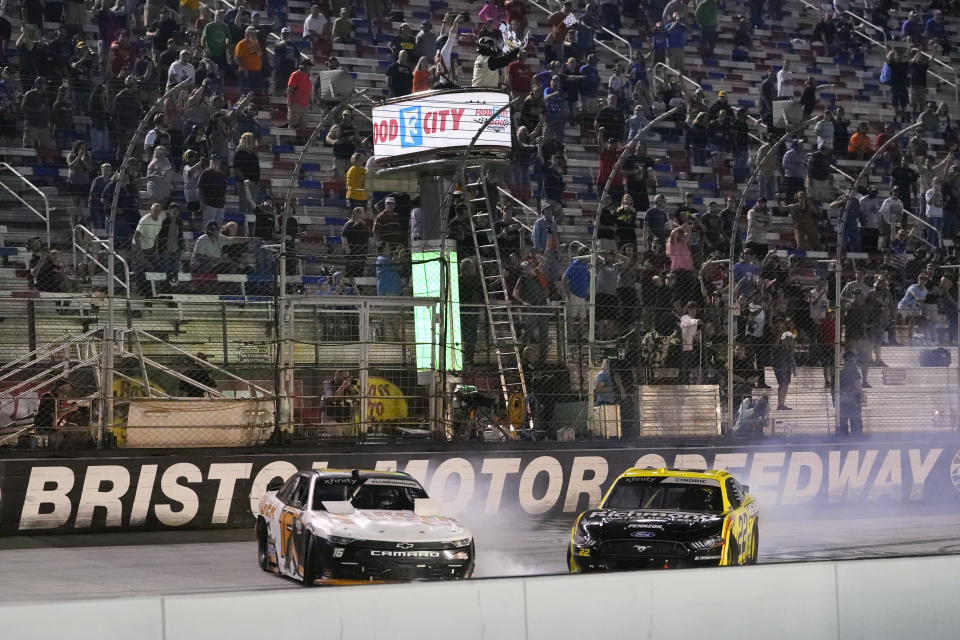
point(323, 209)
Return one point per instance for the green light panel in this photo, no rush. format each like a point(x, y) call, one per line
point(427, 274)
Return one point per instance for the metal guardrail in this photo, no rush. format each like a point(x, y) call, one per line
point(956, 76)
point(45, 216)
point(527, 209)
point(105, 246)
point(616, 36)
point(679, 74)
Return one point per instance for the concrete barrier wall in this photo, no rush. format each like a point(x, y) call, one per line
point(864, 599)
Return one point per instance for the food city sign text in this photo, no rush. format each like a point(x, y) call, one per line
point(211, 491)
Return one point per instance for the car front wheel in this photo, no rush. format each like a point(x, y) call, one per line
point(263, 558)
point(309, 568)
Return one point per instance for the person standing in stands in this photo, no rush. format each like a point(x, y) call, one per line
point(356, 182)
point(400, 75)
point(249, 56)
point(299, 93)
point(286, 59)
point(707, 20)
point(215, 39)
point(212, 189)
point(850, 400)
point(784, 366)
point(387, 226)
point(95, 199)
point(170, 243)
point(758, 224)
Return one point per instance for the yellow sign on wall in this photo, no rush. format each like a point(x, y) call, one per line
point(385, 401)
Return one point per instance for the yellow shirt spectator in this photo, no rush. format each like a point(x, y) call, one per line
point(356, 177)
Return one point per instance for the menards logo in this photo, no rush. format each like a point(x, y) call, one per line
point(148, 494)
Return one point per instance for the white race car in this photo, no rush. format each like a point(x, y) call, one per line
point(358, 525)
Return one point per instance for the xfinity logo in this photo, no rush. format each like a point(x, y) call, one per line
point(404, 554)
point(642, 534)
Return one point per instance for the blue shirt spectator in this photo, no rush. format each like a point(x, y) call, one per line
point(542, 229)
point(745, 276)
point(676, 35)
point(656, 221)
point(577, 277)
point(388, 278)
point(553, 108)
point(591, 81)
point(659, 40)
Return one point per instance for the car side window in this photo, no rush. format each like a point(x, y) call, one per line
point(286, 491)
point(734, 493)
point(301, 494)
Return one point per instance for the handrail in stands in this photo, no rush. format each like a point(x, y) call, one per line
point(104, 245)
point(883, 32)
point(679, 74)
point(628, 57)
point(45, 216)
point(527, 209)
point(956, 76)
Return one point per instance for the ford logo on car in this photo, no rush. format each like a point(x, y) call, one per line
point(643, 534)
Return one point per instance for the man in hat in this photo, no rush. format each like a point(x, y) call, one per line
point(286, 58)
point(387, 226)
point(198, 373)
point(543, 228)
point(299, 92)
point(849, 400)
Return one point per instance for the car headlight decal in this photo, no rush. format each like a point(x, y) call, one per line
point(462, 542)
point(581, 537)
point(712, 542)
point(339, 539)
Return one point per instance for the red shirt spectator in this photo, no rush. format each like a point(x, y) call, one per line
point(122, 54)
point(609, 153)
point(300, 83)
point(520, 76)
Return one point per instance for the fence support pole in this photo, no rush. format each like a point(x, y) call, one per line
point(838, 266)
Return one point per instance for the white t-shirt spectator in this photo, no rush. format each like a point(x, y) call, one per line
point(688, 330)
point(315, 25)
point(758, 222)
point(178, 72)
point(934, 199)
point(870, 212)
point(891, 211)
point(785, 83)
point(149, 229)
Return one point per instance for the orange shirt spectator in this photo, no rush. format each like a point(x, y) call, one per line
point(421, 80)
point(248, 53)
point(860, 144)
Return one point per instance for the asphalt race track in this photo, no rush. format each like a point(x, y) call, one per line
point(161, 563)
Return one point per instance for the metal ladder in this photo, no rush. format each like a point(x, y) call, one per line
point(495, 295)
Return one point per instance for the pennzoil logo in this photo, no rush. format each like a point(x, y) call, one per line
point(955, 470)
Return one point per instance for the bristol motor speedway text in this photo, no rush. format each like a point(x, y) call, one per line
point(210, 492)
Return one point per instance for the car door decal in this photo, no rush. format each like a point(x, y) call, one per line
point(289, 520)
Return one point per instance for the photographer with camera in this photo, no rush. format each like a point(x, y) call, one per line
point(337, 400)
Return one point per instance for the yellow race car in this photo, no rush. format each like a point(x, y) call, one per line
point(667, 518)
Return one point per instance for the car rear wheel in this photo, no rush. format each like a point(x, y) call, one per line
point(263, 558)
point(309, 569)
